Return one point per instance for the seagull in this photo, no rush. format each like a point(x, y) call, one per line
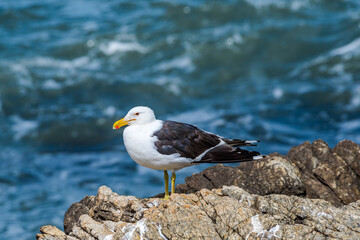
point(169, 145)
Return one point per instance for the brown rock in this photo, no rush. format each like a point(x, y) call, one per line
point(227, 213)
point(77, 209)
point(349, 152)
point(329, 174)
point(256, 206)
point(311, 170)
point(52, 233)
point(274, 174)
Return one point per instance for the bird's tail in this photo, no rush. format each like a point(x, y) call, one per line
point(228, 154)
point(240, 143)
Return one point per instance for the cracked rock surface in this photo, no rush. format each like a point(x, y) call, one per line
point(308, 170)
point(311, 193)
point(227, 213)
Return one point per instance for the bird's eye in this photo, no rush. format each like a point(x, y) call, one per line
point(137, 114)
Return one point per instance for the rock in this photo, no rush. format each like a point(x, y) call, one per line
point(227, 213)
point(311, 193)
point(329, 174)
point(311, 170)
point(349, 152)
point(52, 233)
point(76, 210)
point(274, 174)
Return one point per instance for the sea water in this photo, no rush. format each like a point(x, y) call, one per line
point(280, 71)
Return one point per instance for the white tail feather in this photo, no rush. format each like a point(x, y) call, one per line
point(258, 157)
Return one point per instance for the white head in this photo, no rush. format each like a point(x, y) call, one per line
point(137, 115)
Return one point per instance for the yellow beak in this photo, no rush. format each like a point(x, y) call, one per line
point(120, 123)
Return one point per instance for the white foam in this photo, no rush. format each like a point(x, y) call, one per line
point(350, 126)
point(63, 68)
point(246, 120)
point(109, 111)
point(172, 84)
point(217, 123)
point(278, 93)
point(113, 47)
point(195, 116)
point(297, 5)
point(337, 69)
point(235, 38)
point(90, 43)
point(81, 61)
point(23, 76)
point(90, 26)
point(265, 3)
point(49, 62)
point(183, 62)
point(187, 10)
point(61, 65)
point(346, 51)
point(351, 47)
point(293, 5)
point(22, 127)
point(355, 100)
point(51, 84)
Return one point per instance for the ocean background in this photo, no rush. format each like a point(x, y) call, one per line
point(279, 71)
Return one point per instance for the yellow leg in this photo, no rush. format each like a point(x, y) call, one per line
point(173, 178)
point(166, 178)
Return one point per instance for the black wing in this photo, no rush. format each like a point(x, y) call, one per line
point(228, 154)
point(185, 139)
point(240, 143)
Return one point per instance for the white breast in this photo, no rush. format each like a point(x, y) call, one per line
point(140, 144)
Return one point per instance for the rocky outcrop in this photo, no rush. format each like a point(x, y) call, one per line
point(227, 213)
point(309, 170)
point(330, 174)
point(272, 175)
point(311, 193)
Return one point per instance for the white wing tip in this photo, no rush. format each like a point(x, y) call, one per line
point(252, 141)
point(258, 157)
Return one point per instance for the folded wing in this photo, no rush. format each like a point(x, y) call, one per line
point(203, 147)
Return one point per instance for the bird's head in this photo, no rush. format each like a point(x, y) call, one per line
point(137, 115)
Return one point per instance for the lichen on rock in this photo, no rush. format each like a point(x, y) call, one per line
point(227, 213)
point(276, 198)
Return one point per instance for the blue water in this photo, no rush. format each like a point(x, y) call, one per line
point(276, 70)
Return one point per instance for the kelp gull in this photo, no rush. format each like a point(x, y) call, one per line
point(169, 145)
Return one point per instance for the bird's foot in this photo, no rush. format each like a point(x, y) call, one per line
point(166, 197)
